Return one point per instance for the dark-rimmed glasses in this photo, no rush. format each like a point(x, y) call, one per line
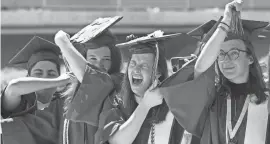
point(233, 54)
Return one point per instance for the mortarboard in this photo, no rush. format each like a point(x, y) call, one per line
point(251, 29)
point(96, 34)
point(179, 49)
point(173, 45)
point(170, 46)
point(203, 29)
point(37, 49)
point(152, 43)
point(181, 45)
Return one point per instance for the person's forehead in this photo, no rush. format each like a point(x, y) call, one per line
point(230, 44)
point(145, 57)
point(104, 50)
point(44, 65)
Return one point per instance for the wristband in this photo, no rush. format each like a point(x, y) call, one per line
point(225, 24)
point(223, 28)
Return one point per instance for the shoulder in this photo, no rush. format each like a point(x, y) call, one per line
point(117, 79)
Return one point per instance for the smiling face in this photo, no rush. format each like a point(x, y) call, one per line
point(140, 71)
point(45, 69)
point(100, 57)
point(235, 62)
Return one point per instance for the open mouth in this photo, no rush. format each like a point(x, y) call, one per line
point(137, 80)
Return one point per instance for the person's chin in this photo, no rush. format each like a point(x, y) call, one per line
point(137, 90)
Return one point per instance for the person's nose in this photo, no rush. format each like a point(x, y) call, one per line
point(137, 69)
point(227, 58)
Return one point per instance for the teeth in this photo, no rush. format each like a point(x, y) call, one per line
point(135, 77)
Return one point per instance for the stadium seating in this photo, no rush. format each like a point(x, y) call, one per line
point(130, 4)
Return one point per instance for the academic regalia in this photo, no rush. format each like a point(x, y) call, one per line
point(111, 120)
point(201, 110)
point(27, 124)
point(41, 127)
point(88, 100)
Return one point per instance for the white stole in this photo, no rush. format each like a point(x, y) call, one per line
point(163, 132)
point(257, 120)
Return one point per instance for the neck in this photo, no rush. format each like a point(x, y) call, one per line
point(138, 98)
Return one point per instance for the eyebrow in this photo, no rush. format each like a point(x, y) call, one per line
point(235, 48)
point(52, 71)
point(37, 70)
point(92, 55)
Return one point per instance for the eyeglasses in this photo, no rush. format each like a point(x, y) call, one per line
point(233, 54)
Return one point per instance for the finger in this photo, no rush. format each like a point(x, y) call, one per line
point(68, 36)
point(155, 83)
point(238, 6)
point(239, 1)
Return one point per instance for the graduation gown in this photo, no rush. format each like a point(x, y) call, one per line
point(28, 125)
point(198, 109)
point(111, 119)
point(84, 110)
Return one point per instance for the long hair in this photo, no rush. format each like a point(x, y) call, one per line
point(256, 84)
point(126, 97)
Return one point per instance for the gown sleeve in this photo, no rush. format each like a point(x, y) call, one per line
point(89, 96)
point(189, 99)
point(110, 119)
point(27, 105)
point(38, 128)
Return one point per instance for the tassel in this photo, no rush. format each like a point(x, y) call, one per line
point(236, 23)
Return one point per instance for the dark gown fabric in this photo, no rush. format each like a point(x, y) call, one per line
point(31, 126)
point(190, 99)
point(238, 95)
point(112, 119)
point(89, 99)
point(199, 109)
point(89, 96)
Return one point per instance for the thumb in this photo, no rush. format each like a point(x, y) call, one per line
point(238, 5)
point(154, 84)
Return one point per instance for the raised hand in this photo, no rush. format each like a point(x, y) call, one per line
point(61, 37)
point(229, 8)
point(152, 96)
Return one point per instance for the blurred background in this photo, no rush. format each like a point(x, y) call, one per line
point(22, 19)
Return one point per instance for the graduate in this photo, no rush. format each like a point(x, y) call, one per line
point(31, 107)
point(233, 107)
point(95, 61)
point(138, 119)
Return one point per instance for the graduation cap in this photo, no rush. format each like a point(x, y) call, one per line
point(251, 30)
point(202, 29)
point(180, 50)
point(152, 43)
point(95, 35)
point(94, 29)
point(37, 49)
point(174, 45)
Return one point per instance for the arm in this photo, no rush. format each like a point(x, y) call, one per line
point(130, 129)
point(189, 98)
point(211, 49)
point(26, 85)
point(75, 60)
